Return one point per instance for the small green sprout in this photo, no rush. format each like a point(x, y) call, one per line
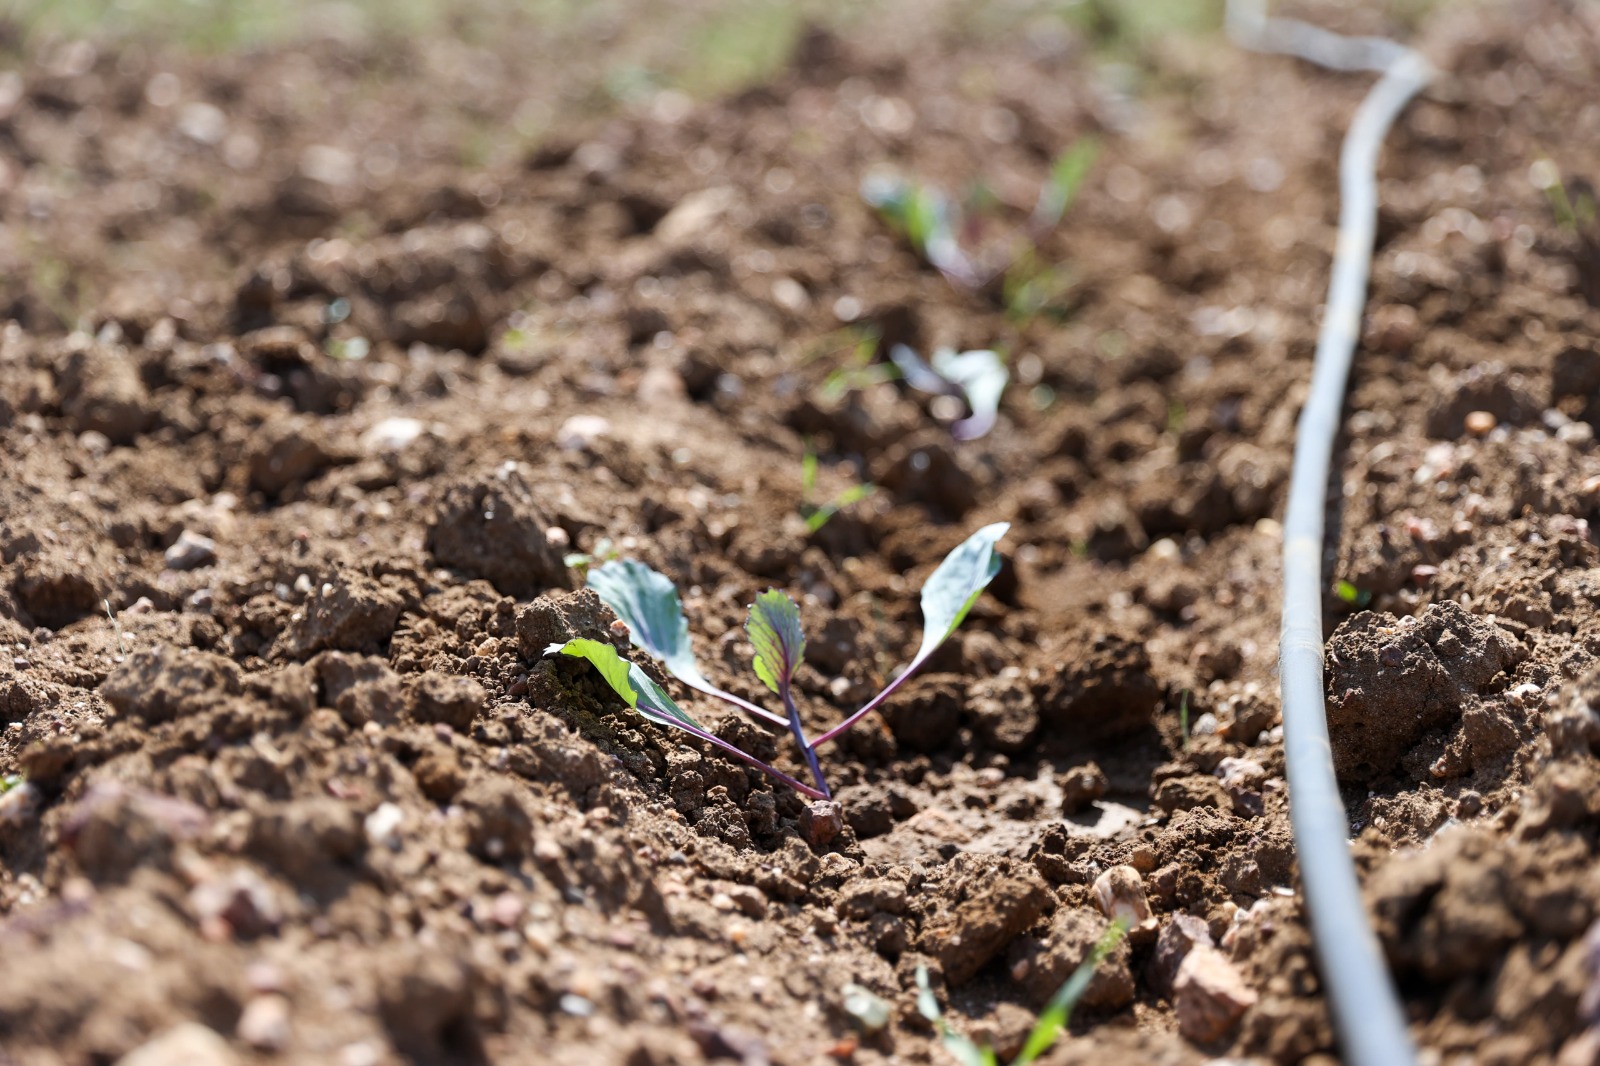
point(1571, 213)
point(934, 227)
point(348, 350)
point(859, 371)
point(604, 552)
point(1051, 1023)
point(817, 515)
point(9, 782)
point(1067, 174)
point(1355, 597)
point(122, 651)
point(1183, 718)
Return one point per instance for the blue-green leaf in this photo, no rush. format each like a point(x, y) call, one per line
point(774, 629)
point(925, 216)
point(628, 681)
point(648, 603)
point(981, 376)
point(955, 586)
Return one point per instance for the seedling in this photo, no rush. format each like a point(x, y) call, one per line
point(979, 377)
point(604, 551)
point(1355, 597)
point(934, 226)
point(1183, 719)
point(1572, 212)
point(858, 370)
point(9, 782)
point(122, 652)
point(817, 515)
point(648, 604)
point(1051, 1023)
point(925, 217)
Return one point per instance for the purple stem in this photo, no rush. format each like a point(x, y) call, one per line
point(879, 698)
point(807, 749)
point(778, 775)
point(744, 705)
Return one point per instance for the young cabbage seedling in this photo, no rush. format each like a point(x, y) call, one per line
point(648, 604)
point(1045, 1031)
point(979, 377)
point(934, 226)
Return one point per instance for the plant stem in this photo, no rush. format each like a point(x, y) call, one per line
point(873, 703)
point(709, 689)
point(740, 753)
point(808, 749)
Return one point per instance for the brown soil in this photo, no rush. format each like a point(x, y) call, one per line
point(284, 519)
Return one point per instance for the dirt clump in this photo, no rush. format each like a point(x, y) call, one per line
point(1042, 965)
point(1391, 680)
point(492, 526)
point(163, 683)
point(984, 905)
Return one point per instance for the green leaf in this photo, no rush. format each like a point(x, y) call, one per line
point(9, 782)
point(1059, 1011)
point(955, 586)
point(648, 603)
point(774, 629)
point(981, 375)
point(628, 681)
point(1066, 177)
point(1350, 594)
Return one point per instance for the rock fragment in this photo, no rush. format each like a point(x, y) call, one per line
point(821, 822)
point(266, 1022)
point(190, 552)
point(1119, 892)
point(1182, 934)
point(1209, 995)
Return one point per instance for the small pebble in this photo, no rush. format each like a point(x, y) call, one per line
point(265, 1023)
point(820, 822)
point(1481, 423)
point(191, 551)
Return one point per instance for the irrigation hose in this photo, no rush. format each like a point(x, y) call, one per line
point(1366, 1009)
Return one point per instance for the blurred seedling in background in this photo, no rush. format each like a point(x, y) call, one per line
point(604, 551)
point(1574, 210)
point(1355, 597)
point(817, 515)
point(978, 377)
point(9, 782)
point(1052, 1022)
point(648, 604)
point(858, 370)
point(962, 243)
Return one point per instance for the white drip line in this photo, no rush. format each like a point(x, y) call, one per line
point(1366, 1009)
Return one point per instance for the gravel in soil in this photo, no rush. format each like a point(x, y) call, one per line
point(290, 499)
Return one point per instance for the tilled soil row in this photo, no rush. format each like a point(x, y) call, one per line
point(288, 524)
